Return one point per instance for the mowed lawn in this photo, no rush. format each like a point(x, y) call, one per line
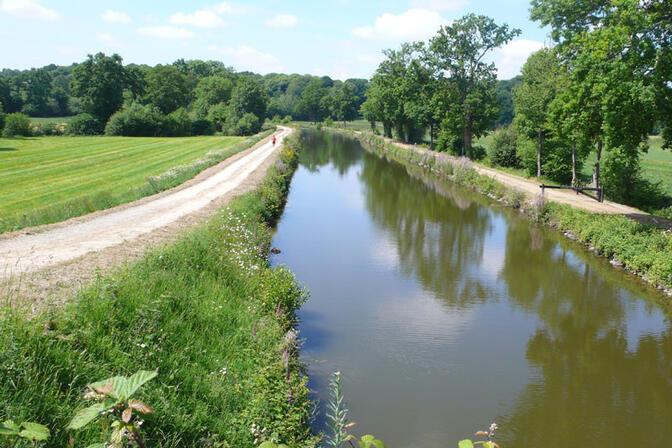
point(47, 171)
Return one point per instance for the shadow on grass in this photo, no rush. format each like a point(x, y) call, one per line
point(8, 149)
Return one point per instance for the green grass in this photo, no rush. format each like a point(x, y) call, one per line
point(50, 179)
point(59, 120)
point(207, 311)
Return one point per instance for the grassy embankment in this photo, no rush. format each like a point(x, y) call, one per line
point(643, 250)
point(208, 312)
point(50, 179)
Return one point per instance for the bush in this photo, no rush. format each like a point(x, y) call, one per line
point(287, 119)
point(177, 124)
point(218, 115)
point(84, 124)
point(329, 122)
point(135, 120)
point(17, 124)
point(2, 119)
point(202, 127)
point(502, 149)
point(49, 128)
point(249, 124)
point(276, 118)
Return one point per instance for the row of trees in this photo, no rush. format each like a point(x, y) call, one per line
point(443, 86)
point(602, 89)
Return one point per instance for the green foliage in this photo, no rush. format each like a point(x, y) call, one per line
point(202, 127)
point(210, 91)
point(312, 101)
point(136, 120)
point(248, 124)
point(84, 124)
point(99, 83)
point(176, 124)
point(48, 128)
point(17, 124)
point(13, 432)
point(166, 88)
point(248, 97)
point(116, 406)
point(502, 147)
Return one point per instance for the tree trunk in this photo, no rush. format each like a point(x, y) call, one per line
point(343, 124)
point(596, 173)
point(574, 163)
point(466, 148)
point(431, 136)
point(539, 140)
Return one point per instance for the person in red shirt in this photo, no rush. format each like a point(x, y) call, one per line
point(274, 140)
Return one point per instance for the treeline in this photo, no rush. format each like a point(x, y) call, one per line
point(183, 98)
point(603, 88)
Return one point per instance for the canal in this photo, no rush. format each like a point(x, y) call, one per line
point(445, 312)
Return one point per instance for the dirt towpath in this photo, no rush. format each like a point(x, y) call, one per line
point(115, 234)
point(530, 187)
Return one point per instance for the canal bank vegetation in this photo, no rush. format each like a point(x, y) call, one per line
point(642, 249)
point(207, 313)
point(597, 95)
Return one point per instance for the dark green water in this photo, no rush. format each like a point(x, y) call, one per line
point(445, 312)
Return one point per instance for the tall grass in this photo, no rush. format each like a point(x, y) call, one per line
point(209, 312)
point(85, 202)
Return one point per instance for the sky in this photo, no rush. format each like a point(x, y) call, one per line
point(339, 38)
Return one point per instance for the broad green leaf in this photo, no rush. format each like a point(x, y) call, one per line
point(118, 383)
point(267, 445)
point(368, 438)
point(34, 431)
point(378, 444)
point(97, 445)
point(126, 415)
point(86, 415)
point(9, 428)
point(138, 379)
point(465, 444)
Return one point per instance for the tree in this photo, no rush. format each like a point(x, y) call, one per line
point(36, 88)
point(211, 90)
point(533, 97)
point(248, 96)
point(459, 51)
point(166, 88)
point(99, 82)
point(345, 103)
point(311, 102)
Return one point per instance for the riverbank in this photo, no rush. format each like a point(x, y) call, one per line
point(207, 312)
point(640, 248)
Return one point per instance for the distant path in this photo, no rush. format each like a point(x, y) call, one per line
point(530, 187)
point(29, 251)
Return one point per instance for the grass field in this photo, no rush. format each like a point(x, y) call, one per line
point(52, 119)
point(54, 178)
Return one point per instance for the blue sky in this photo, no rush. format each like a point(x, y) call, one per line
point(339, 38)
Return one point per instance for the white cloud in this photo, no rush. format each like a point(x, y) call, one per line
point(108, 40)
point(110, 16)
point(438, 5)
point(282, 21)
point(513, 55)
point(165, 32)
point(244, 57)
point(229, 8)
point(414, 24)
point(29, 9)
point(202, 18)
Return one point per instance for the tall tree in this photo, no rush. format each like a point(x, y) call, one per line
point(459, 51)
point(533, 97)
point(248, 96)
point(345, 103)
point(311, 103)
point(99, 82)
point(166, 88)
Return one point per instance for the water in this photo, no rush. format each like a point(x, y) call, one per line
point(445, 312)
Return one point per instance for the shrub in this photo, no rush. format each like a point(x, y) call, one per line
point(84, 124)
point(218, 115)
point(276, 118)
point(135, 120)
point(248, 124)
point(287, 119)
point(176, 124)
point(17, 124)
point(49, 128)
point(202, 127)
point(328, 122)
point(2, 119)
point(502, 149)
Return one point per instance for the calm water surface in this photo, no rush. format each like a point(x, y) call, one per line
point(445, 312)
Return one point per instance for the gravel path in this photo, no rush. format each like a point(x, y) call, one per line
point(29, 251)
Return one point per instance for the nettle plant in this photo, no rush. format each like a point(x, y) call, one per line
point(117, 408)
point(15, 433)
